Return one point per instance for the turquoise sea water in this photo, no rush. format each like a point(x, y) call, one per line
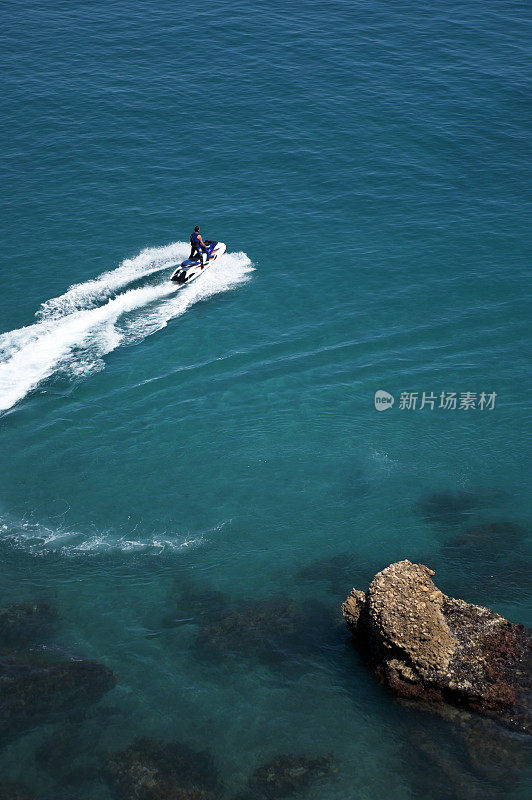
point(368, 166)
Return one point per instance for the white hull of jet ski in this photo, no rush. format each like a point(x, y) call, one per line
point(192, 268)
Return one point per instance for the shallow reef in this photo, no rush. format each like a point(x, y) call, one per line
point(35, 689)
point(15, 791)
point(462, 756)
point(11, 791)
point(273, 630)
point(287, 775)
point(26, 623)
point(67, 755)
point(190, 604)
point(33, 694)
point(150, 769)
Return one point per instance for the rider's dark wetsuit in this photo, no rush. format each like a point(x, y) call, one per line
point(196, 247)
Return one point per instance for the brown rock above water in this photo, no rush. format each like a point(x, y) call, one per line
point(425, 645)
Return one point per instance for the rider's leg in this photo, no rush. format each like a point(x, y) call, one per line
point(196, 253)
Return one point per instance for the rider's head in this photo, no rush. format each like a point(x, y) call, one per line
point(196, 229)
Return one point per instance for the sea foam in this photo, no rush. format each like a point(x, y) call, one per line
point(41, 539)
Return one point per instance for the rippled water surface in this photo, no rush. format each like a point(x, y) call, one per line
point(193, 479)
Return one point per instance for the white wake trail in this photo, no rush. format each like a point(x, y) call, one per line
point(73, 334)
point(82, 295)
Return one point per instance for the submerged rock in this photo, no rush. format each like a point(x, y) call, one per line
point(286, 775)
point(446, 506)
point(32, 694)
point(434, 769)
point(451, 507)
point(197, 606)
point(460, 755)
point(68, 755)
point(12, 791)
point(272, 630)
point(336, 572)
point(23, 624)
point(492, 753)
point(155, 770)
point(279, 617)
point(486, 540)
point(425, 645)
point(486, 561)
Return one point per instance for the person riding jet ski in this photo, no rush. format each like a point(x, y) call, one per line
point(197, 245)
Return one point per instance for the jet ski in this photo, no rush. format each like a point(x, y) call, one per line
point(192, 267)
